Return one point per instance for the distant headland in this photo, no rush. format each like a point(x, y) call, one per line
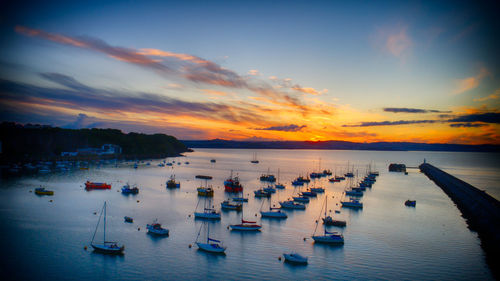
point(25, 143)
point(341, 145)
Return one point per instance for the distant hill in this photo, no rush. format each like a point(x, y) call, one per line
point(36, 142)
point(340, 145)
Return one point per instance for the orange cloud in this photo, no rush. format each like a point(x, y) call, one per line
point(253, 72)
point(494, 96)
point(469, 83)
point(311, 91)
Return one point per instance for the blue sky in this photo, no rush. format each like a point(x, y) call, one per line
point(351, 60)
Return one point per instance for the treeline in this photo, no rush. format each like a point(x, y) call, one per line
point(35, 142)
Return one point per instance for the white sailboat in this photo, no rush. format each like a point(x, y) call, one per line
point(107, 247)
point(212, 245)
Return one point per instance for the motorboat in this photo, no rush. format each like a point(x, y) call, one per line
point(43, 191)
point(239, 199)
point(233, 184)
point(205, 191)
point(156, 229)
point(128, 219)
point(208, 214)
point(274, 214)
point(261, 193)
point(328, 220)
point(302, 199)
point(126, 189)
point(317, 189)
point(97, 185)
point(226, 205)
point(171, 183)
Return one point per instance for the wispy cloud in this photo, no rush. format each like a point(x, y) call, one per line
point(412, 110)
point(285, 128)
point(189, 67)
point(469, 83)
point(468, 125)
point(253, 72)
point(390, 123)
point(311, 91)
point(494, 96)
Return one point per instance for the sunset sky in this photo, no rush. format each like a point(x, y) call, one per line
point(361, 71)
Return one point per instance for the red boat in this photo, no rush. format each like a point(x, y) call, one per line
point(233, 184)
point(97, 185)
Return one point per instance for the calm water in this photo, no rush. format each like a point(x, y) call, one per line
point(385, 240)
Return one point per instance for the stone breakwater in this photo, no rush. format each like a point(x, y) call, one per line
point(481, 211)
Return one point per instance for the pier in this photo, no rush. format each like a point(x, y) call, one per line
point(481, 211)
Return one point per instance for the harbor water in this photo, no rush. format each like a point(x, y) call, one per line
point(386, 240)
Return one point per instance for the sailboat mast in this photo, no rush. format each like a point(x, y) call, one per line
point(104, 221)
point(208, 233)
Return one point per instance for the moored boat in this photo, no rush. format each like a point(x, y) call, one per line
point(128, 219)
point(329, 238)
point(239, 199)
point(171, 183)
point(233, 184)
point(107, 247)
point(411, 203)
point(302, 199)
point(205, 191)
point(274, 214)
point(212, 245)
point(317, 189)
point(246, 226)
point(261, 193)
point(352, 203)
point(43, 191)
point(226, 205)
point(290, 204)
point(295, 258)
point(97, 185)
point(156, 229)
point(126, 189)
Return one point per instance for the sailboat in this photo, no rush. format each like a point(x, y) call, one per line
point(208, 212)
point(156, 229)
point(212, 245)
point(107, 247)
point(327, 237)
point(254, 160)
point(328, 220)
point(279, 185)
point(246, 225)
point(278, 214)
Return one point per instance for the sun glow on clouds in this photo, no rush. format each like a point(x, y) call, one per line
point(216, 102)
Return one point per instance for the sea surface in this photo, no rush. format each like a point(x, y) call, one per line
point(43, 240)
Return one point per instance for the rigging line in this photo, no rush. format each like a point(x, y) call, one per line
point(95, 231)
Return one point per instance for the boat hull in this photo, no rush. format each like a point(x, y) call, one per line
point(275, 215)
point(104, 249)
point(328, 240)
point(211, 248)
point(240, 227)
point(295, 259)
point(206, 216)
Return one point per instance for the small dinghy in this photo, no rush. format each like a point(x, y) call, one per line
point(156, 229)
point(295, 258)
point(411, 203)
point(128, 219)
point(126, 189)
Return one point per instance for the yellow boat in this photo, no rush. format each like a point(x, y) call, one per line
point(43, 191)
point(206, 191)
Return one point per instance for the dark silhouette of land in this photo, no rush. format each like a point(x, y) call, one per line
point(24, 143)
point(341, 145)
